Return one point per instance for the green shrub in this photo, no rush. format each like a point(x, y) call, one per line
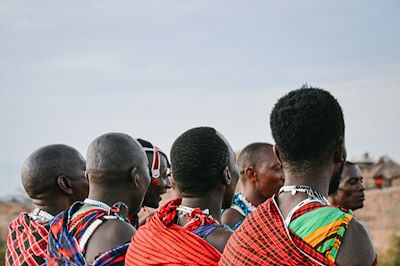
point(2, 253)
point(393, 254)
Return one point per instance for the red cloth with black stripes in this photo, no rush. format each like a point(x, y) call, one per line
point(160, 241)
point(263, 239)
point(26, 241)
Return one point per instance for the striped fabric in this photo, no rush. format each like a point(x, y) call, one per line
point(161, 242)
point(66, 233)
point(322, 228)
point(26, 241)
point(263, 239)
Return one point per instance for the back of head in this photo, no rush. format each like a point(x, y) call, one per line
point(307, 125)
point(250, 156)
point(111, 158)
point(199, 157)
point(41, 170)
point(149, 148)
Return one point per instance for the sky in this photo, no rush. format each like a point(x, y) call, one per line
point(73, 70)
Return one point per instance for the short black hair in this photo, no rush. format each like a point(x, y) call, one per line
point(250, 155)
point(307, 125)
point(199, 157)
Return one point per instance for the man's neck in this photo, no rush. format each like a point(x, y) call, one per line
point(214, 205)
point(252, 196)
point(53, 207)
point(318, 181)
point(111, 196)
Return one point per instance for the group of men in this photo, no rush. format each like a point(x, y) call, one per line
point(86, 212)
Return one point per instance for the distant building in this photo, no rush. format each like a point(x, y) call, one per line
point(379, 174)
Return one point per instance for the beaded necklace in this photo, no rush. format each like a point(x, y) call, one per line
point(185, 211)
point(41, 215)
point(304, 189)
point(114, 210)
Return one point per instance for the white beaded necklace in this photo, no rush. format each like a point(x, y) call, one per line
point(97, 203)
point(185, 210)
point(248, 204)
point(41, 215)
point(304, 189)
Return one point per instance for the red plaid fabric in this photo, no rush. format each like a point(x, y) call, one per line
point(26, 242)
point(264, 240)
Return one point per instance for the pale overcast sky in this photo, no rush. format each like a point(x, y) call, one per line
point(72, 70)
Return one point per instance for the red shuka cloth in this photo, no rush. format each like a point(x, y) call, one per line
point(263, 239)
point(26, 241)
point(161, 241)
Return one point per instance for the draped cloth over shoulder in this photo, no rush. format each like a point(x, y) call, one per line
point(67, 237)
point(26, 241)
point(263, 239)
point(161, 241)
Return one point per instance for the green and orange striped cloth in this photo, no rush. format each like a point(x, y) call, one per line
point(322, 228)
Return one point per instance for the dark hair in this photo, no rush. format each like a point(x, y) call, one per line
point(250, 155)
point(199, 157)
point(307, 125)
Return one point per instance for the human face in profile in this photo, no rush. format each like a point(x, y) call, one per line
point(158, 186)
point(270, 176)
point(350, 194)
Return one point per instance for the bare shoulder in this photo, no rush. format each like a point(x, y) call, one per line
point(231, 217)
point(356, 241)
point(219, 237)
point(107, 236)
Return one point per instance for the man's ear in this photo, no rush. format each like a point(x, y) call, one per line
point(135, 177)
point(87, 175)
point(227, 176)
point(251, 174)
point(340, 154)
point(277, 153)
point(173, 184)
point(64, 182)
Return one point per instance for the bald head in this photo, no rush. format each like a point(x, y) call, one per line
point(261, 173)
point(112, 157)
point(43, 168)
point(253, 154)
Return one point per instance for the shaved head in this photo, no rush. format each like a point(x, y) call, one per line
point(253, 154)
point(112, 157)
point(44, 166)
